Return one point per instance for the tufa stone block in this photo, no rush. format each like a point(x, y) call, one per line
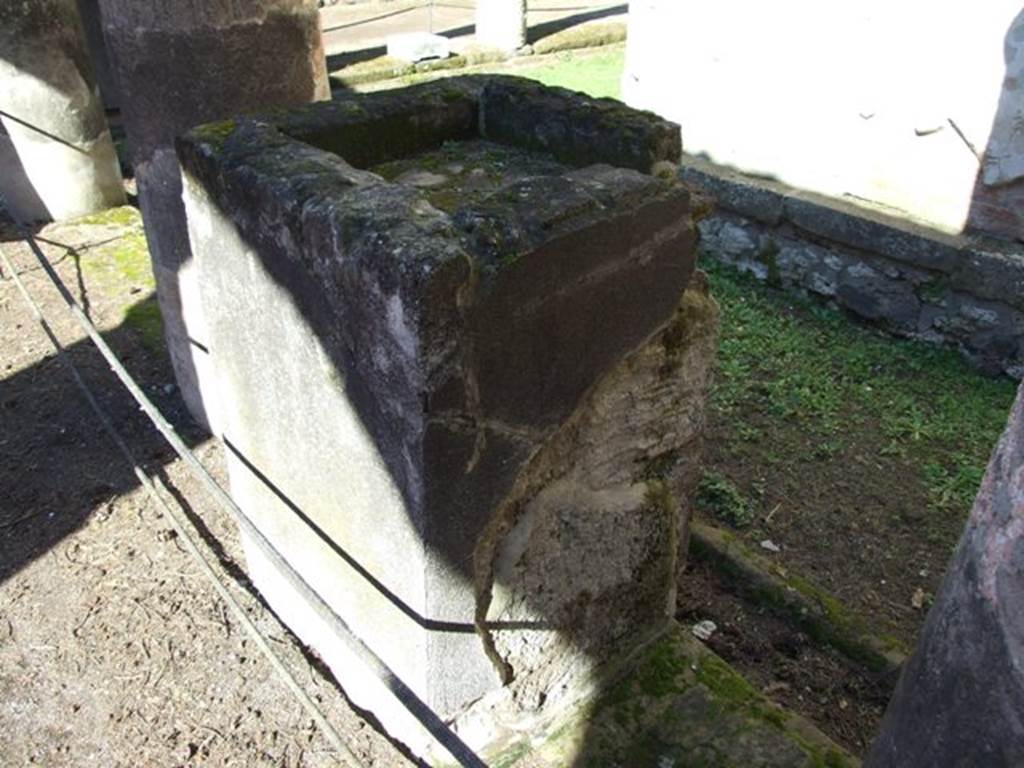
point(437, 396)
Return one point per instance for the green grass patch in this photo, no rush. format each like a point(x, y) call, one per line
point(596, 74)
point(718, 495)
point(802, 364)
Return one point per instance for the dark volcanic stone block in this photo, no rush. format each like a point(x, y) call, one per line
point(414, 305)
point(576, 131)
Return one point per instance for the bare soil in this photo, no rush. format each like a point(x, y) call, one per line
point(842, 698)
point(855, 523)
point(850, 460)
point(114, 650)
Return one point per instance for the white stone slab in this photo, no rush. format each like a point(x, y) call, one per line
point(418, 46)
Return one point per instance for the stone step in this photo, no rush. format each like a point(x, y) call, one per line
point(817, 612)
point(677, 704)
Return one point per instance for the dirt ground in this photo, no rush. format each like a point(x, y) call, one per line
point(850, 461)
point(858, 458)
point(852, 523)
point(842, 698)
point(114, 651)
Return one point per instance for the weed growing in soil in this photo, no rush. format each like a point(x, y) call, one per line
point(718, 495)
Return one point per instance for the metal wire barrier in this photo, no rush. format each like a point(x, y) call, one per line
point(434, 725)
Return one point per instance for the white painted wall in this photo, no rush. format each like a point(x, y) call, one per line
point(850, 99)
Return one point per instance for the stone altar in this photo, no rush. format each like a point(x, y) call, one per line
point(462, 388)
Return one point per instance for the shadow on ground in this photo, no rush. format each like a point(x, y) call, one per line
point(56, 464)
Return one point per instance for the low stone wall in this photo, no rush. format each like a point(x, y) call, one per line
point(910, 280)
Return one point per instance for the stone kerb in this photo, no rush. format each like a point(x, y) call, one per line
point(465, 403)
point(909, 279)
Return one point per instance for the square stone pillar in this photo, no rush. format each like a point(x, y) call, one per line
point(456, 375)
point(179, 63)
point(501, 24)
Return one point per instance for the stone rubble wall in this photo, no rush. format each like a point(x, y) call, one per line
point(910, 280)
